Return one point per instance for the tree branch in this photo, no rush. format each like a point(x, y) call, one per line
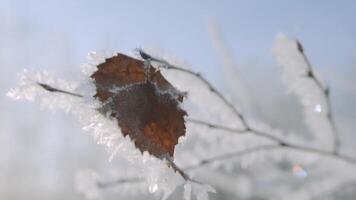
point(52, 89)
point(281, 143)
point(231, 155)
point(240, 153)
point(326, 91)
point(215, 126)
point(345, 158)
point(167, 65)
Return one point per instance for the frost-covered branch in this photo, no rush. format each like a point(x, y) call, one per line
point(326, 92)
point(166, 65)
point(248, 128)
point(195, 121)
point(169, 162)
point(301, 80)
point(310, 150)
point(215, 126)
point(279, 142)
point(155, 172)
point(52, 89)
point(247, 151)
point(232, 155)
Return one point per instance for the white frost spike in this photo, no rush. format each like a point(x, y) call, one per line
point(295, 75)
point(197, 189)
point(29, 89)
point(94, 58)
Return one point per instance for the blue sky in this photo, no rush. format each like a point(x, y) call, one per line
point(327, 28)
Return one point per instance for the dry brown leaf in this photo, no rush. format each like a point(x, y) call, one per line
point(144, 103)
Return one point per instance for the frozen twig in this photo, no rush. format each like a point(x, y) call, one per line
point(247, 151)
point(280, 142)
point(166, 65)
point(231, 155)
point(227, 156)
point(326, 92)
point(215, 126)
point(180, 171)
point(52, 89)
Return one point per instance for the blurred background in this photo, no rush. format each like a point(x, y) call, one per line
point(41, 151)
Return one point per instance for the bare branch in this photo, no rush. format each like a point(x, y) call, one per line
point(240, 153)
point(227, 156)
point(52, 89)
point(215, 126)
point(281, 143)
point(167, 65)
point(180, 171)
point(326, 92)
point(247, 127)
point(231, 155)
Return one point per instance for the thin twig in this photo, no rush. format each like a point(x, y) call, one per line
point(238, 131)
point(247, 127)
point(181, 172)
point(215, 126)
point(226, 156)
point(167, 65)
point(331, 154)
point(240, 153)
point(195, 121)
point(193, 167)
point(231, 155)
point(326, 92)
point(52, 89)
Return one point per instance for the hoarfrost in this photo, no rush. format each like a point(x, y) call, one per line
point(200, 191)
point(310, 90)
point(159, 177)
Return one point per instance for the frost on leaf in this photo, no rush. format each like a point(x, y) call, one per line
point(144, 103)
